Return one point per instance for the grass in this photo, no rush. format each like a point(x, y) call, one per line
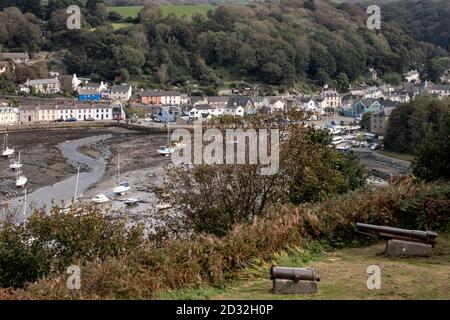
point(178, 10)
point(397, 155)
point(117, 26)
point(344, 276)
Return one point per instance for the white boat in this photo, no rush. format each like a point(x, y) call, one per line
point(164, 150)
point(6, 150)
point(21, 180)
point(15, 164)
point(122, 187)
point(100, 198)
point(167, 149)
point(131, 201)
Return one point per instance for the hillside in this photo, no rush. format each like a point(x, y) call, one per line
point(343, 276)
point(289, 44)
point(276, 43)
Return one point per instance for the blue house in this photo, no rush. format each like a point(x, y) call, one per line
point(360, 107)
point(88, 95)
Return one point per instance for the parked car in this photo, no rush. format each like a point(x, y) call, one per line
point(59, 120)
point(71, 119)
point(375, 146)
point(364, 144)
point(89, 119)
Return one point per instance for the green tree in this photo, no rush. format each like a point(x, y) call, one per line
point(365, 121)
point(432, 156)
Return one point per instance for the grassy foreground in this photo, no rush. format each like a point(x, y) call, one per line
point(344, 276)
point(178, 10)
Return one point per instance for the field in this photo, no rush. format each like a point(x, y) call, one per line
point(343, 276)
point(179, 10)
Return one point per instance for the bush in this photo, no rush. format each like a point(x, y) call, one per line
point(47, 243)
point(205, 260)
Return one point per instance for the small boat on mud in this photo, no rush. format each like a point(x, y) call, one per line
point(122, 187)
point(21, 180)
point(15, 165)
point(6, 150)
point(100, 198)
point(132, 201)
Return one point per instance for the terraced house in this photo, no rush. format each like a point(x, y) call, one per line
point(50, 113)
point(16, 57)
point(8, 115)
point(172, 98)
point(121, 92)
point(43, 86)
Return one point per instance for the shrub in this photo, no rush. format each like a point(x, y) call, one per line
point(205, 260)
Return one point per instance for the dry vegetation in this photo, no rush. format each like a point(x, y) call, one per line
point(208, 260)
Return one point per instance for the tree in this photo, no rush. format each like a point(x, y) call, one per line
point(432, 156)
point(162, 74)
point(342, 81)
point(212, 198)
point(365, 121)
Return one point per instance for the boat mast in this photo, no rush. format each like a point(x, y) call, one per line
point(168, 134)
point(25, 203)
point(118, 168)
point(76, 185)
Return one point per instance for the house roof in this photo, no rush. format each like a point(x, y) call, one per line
point(203, 107)
point(440, 87)
point(218, 99)
point(385, 112)
point(389, 103)
point(236, 101)
point(14, 55)
point(124, 88)
point(41, 81)
point(72, 106)
point(8, 110)
point(160, 94)
point(87, 91)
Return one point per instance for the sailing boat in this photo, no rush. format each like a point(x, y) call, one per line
point(25, 203)
point(74, 200)
point(21, 180)
point(6, 151)
point(122, 187)
point(75, 197)
point(166, 150)
point(16, 164)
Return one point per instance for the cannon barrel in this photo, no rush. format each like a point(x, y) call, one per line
point(428, 237)
point(295, 274)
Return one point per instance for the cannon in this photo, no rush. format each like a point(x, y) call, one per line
point(294, 274)
point(389, 233)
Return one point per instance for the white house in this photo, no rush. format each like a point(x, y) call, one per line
point(374, 93)
point(440, 90)
point(199, 110)
point(8, 115)
point(277, 104)
point(331, 98)
point(205, 110)
point(121, 92)
point(16, 57)
point(50, 113)
point(45, 86)
point(308, 104)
